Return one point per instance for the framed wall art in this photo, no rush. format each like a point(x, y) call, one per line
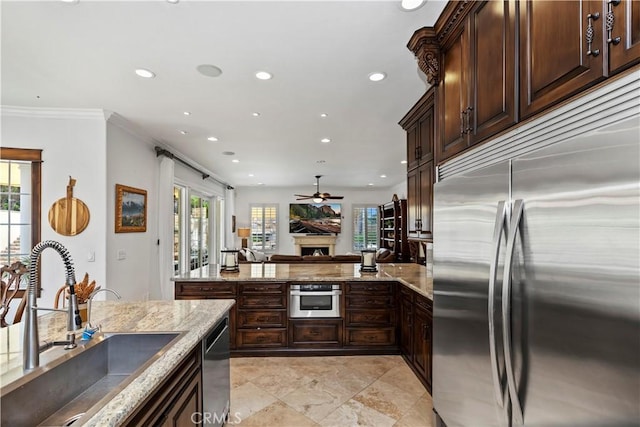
point(131, 209)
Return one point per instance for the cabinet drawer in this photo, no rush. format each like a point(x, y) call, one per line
point(315, 333)
point(370, 301)
point(370, 336)
point(262, 301)
point(405, 291)
point(424, 303)
point(369, 287)
point(261, 338)
point(262, 288)
point(370, 317)
point(206, 289)
point(248, 319)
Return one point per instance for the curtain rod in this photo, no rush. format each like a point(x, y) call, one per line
point(162, 152)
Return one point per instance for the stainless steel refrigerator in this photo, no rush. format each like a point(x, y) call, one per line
point(537, 287)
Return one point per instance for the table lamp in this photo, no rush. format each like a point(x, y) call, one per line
point(244, 233)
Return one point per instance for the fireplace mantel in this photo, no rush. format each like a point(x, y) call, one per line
point(303, 241)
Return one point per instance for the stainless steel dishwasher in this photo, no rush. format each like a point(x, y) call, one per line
point(216, 382)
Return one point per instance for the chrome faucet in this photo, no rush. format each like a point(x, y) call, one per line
point(93, 294)
point(31, 349)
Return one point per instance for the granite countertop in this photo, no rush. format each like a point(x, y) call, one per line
point(415, 276)
point(194, 317)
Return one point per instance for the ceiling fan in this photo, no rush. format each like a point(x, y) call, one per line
point(318, 197)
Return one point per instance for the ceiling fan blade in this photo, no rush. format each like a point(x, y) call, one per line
point(304, 198)
point(303, 195)
point(334, 197)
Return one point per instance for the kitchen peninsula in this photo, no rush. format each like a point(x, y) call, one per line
point(193, 319)
point(383, 312)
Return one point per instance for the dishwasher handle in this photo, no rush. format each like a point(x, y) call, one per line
point(216, 333)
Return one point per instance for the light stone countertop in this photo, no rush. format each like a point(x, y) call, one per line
point(194, 317)
point(415, 276)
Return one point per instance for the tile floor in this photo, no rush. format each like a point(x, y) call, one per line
point(333, 391)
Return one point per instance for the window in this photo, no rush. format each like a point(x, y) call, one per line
point(177, 227)
point(264, 227)
point(199, 236)
point(365, 227)
point(20, 171)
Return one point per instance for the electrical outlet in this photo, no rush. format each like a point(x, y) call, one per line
point(91, 256)
point(122, 254)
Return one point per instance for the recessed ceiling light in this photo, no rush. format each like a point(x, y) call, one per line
point(411, 4)
point(235, 161)
point(184, 132)
point(187, 113)
point(377, 76)
point(370, 184)
point(69, 1)
point(143, 72)
point(173, 1)
point(404, 162)
point(256, 114)
point(325, 140)
point(209, 70)
point(383, 176)
point(260, 183)
point(323, 115)
point(212, 139)
point(251, 175)
point(263, 75)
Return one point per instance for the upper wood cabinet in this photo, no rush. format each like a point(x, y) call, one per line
point(495, 63)
point(560, 51)
point(623, 34)
point(476, 72)
point(420, 127)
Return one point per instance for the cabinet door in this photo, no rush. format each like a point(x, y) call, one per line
point(422, 344)
point(406, 325)
point(492, 72)
point(413, 201)
point(425, 173)
point(555, 60)
point(412, 147)
point(426, 135)
point(453, 98)
point(182, 410)
point(626, 25)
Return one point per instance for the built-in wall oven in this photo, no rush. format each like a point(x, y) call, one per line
point(314, 300)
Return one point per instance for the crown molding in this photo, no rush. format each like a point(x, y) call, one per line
point(52, 113)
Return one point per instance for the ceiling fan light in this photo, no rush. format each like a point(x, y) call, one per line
point(317, 200)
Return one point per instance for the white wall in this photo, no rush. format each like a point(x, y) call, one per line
point(132, 161)
point(73, 144)
point(284, 196)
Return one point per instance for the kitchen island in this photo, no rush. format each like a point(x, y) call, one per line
point(192, 318)
point(414, 276)
point(383, 312)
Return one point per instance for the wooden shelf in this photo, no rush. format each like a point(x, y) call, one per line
point(392, 233)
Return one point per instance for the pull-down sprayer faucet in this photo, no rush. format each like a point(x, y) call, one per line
point(31, 353)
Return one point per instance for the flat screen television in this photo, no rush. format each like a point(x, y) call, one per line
point(314, 218)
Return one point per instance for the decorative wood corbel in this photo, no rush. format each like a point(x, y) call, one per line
point(424, 45)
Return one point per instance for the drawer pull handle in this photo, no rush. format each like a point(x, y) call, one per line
point(609, 21)
point(591, 33)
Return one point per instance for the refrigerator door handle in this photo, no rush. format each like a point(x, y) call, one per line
point(501, 215)
point(516, 408)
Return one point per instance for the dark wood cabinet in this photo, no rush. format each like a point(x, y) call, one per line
point(392, 229)
point(419, 123)
point(314, 333)
point(623, 38)
point(261, 315)
point(420, 201)
point(176, 399)
point(422, 338)
point(556, 58)
point(477, 96)
point(416, 333)
point(370, 314)
point(211, 290)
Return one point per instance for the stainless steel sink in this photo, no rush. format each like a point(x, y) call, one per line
point(81, 381)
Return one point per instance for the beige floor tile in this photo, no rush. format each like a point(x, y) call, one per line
point(403, 377)
point(281, 381)
point(419, 415)
point(316, 400)
point(248, 399)
point(354, 413)
point(374, 365)
point(349, 380)
point(237, 379)
point(388, 399)
point(278, 415)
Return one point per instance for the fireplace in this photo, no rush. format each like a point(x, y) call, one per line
point(309, 250)
point(326, 243)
